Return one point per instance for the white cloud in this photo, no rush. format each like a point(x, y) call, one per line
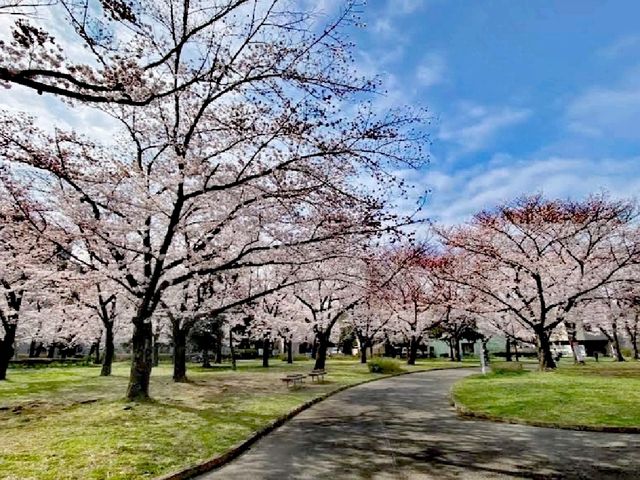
point(431, 70)
point(476, 126)
point(456, 196)
point(621, 46)
point(613, 113)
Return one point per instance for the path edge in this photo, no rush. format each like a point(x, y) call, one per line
point(241, 447)
point(467, 413)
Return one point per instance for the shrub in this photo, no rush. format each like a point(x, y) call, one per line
point(384, 365)
point(501, 368)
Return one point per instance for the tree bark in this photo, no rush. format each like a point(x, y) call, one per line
point(321, 351)
point(141, 360)
point(218, 358)
point(266, 344)
point(179, 354)
point(616, 341)
point(206, 363)
point(109, 350)
point(156, 351)
point(507, 350)
point(458, 355)
point(7, 348)
point(51, 352)
point(545, 358)
point(413, 350)
point(32, 349)
point(363, 350)
point(515, 349)
point(314, 348)
point(96, 358)
point(290, 351)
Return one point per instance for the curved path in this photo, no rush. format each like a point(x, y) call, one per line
point(404, 428)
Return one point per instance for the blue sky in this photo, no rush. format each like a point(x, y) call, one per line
point(526, 96)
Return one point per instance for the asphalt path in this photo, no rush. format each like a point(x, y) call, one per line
point(405, 428)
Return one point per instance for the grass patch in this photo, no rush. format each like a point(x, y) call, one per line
point(70, 423)
point(604, 394)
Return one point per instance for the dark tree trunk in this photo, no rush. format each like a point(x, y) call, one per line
point(109, 350)
point(218, 358)
point(51, 352)
point(290, 351)
point(314, 348)
point(266, 346)
point(413, 350)
point(206, 363)
point(32, 349)
point(321, 351)
point(96, 358)
point(179, 354)
point(507, 350)
point(141, 360)
point(7, 348)
point(451, 356)
point(616, 342)
point(363, 349)
point(389, 349)
point(545, 358)
point(458, 355)
point(156, 351)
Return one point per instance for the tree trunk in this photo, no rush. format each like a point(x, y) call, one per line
point(450, 343)
point(290, 351)
point(51, 351)
point(179, 354)
point(218, 358)
point(314, 348)
point(206, 363)
point(156, 351)
point(96, 358)
point(266, 344)
point(141, 360)
point(363, 350)
point(109, 350)
point(507, 349)
point(321, 351)
point(233, 352)
point(616, 342)
point(32, 349)
point(545, 358)
point(7, 348)
point(515, 349)
point(413, 350)
point(458, 354)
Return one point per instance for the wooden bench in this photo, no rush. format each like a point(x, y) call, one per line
point(317, 375)
point(294, 380)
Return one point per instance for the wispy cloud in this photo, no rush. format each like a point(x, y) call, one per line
point(457, 195)
point(620, 47)
point(475, 126)
point(607, 112)
point(431, 71)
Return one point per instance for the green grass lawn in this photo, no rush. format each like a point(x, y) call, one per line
point(70, 423)
point(604, 394)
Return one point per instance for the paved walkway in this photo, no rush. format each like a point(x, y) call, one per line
point(404, 428)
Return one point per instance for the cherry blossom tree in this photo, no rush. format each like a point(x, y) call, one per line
point(535, 260)
point(24, 258)
point(232, 171)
